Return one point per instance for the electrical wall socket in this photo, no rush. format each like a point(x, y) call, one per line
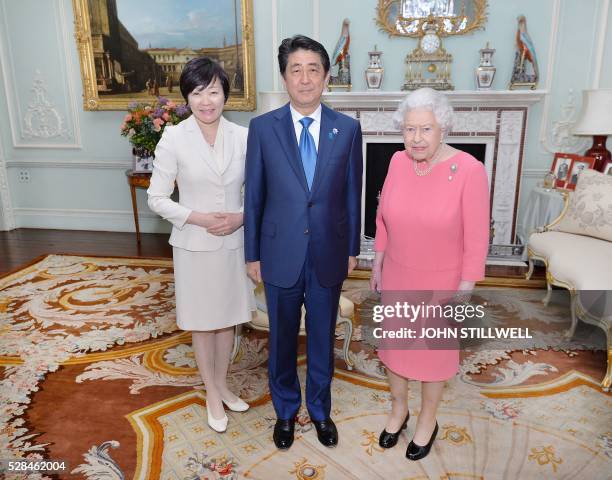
point(24, 176)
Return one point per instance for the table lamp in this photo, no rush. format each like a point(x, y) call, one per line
point(596, 119)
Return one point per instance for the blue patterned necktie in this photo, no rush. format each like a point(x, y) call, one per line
point(308, 151)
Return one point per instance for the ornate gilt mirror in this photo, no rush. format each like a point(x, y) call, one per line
point(406, 18)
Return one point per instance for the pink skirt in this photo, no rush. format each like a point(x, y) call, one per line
point(418, 362)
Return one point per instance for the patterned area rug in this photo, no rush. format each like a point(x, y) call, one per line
point(94, 372)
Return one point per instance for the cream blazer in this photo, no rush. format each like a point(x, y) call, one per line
point(183, 156)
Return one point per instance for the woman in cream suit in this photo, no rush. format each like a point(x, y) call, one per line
point(205, 155)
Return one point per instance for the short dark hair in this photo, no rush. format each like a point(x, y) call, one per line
point(200, 72)
point(300, 42)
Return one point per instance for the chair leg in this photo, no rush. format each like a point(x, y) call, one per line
point(546, 299)
point(237, 338)
point(348, 335)
point(607, 381)
point(573, 304)
point(530, 271)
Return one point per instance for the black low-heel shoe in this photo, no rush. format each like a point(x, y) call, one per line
point(388, 440)
point(416, 452)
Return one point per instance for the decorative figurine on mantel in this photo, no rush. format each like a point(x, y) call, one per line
point(375, 71)
point(525, 72)
point(428, 63)
point(485, 72)
point(340, 75)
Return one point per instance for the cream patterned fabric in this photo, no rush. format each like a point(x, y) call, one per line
point(590, 208)
point(577, 260)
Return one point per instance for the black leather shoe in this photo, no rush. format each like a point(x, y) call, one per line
point(283, 433)
point(326, 432)
point(416, 452)
point(389, 440)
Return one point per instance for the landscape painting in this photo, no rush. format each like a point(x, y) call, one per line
point(135, 50)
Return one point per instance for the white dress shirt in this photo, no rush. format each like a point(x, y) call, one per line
point(315, 126)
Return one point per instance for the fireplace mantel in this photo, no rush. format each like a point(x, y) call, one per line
point(499, 98)
point(473, 98)
point(497, 118)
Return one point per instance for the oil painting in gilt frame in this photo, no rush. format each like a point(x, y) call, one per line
point(135, 50)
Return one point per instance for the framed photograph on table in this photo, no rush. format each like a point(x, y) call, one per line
point(561, 168)
point(135, 50)
point(578, 165)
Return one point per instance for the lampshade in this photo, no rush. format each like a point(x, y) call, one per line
point(596, 115)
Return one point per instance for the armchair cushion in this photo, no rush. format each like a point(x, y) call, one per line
point(260, 317)
point(582, 262)
point(590, 207)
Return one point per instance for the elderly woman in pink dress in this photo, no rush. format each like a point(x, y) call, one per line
point(432, 233)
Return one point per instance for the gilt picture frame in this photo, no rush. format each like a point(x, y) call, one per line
point(134, 50)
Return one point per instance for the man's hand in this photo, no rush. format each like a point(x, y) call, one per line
point(352, 263)
point(254, 271)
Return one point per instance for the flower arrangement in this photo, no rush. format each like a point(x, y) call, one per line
point(144, 124)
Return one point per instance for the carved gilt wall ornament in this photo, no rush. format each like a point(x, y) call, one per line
point(42, 119)
point(406, 18)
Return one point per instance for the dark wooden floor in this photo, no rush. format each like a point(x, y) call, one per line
point(19, 247)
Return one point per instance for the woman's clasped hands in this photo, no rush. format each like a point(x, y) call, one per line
point(219, 223)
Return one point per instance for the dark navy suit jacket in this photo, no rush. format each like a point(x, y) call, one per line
point(282, 218)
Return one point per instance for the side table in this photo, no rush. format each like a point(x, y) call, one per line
point(137, 180)
point(543, 206)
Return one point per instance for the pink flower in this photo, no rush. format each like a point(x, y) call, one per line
point(123, 126)
point(128, 117)
point(166, 116)
point(157, 124)
point(171, 104)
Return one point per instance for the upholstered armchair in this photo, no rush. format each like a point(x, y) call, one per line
point(576, 249)
point(345, 317)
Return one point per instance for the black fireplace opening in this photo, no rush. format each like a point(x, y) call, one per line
point(378, 157)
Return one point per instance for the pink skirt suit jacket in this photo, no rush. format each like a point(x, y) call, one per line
point(434, 231)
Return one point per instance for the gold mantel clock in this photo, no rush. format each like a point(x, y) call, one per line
point(429, 63)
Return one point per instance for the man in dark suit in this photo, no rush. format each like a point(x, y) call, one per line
point(302, 223)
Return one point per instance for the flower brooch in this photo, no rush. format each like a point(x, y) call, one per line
point(453, 170)
point(331, 135)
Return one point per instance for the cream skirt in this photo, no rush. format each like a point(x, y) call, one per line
point(212, 289)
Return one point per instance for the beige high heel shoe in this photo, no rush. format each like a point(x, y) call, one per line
point(219, 425)
point(238, 406)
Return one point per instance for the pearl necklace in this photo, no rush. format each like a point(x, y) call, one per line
point(432, 162)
